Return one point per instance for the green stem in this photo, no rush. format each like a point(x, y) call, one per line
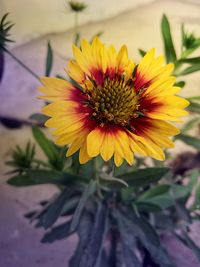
point(76, 33)
point(112, 168)
point(76, 22)
point(22, 64)
point(97, 178)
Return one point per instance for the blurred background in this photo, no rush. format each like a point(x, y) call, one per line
point(135, 23)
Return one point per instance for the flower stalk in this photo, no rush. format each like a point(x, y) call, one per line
point(21, 64)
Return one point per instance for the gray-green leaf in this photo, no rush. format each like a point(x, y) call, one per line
point(49, 60)
point(167, 39)
point(189, 140)
point(47, 146)
point(90, 189)
point(145, 176)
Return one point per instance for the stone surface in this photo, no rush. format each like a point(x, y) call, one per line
point(55, 16)
point(138, 28)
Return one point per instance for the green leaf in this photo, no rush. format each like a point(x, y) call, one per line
point(84, 231)
point(39, 117)
point(57, 233)
point(47, 146)
point(127, 194)
point(147, 207)
point(162, 201)
point(155, 191)
point(194, 60)
point(189, 140)
point(128, 241)
point(142, 230)
point(190, 124)
point(165, 196)
point(75, 162)
point(144, 177)
point(60, 77)
point(77, 39)
point(57, 176)
point(194, 107)
point(90, 189)
point(36, 177)
point(167, 39)
point(49, 60)
point(180, 191)
point(197, 98)
point(196, 204)
point(55, 209)
point(21, 180)
point(92, 253)
point(190, 69)
point(180, 84)
point(142, 52)
point(182, 212)
point(87, 170)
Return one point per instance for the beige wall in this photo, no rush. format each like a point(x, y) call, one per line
point(33, 18)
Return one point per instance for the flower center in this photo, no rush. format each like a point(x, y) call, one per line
point(115, 101)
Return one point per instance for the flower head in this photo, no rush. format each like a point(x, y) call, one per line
point(189, 40)
point(77, 6)
point(113, 108)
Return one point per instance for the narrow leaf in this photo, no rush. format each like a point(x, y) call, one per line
point(70, 206)
point(167, 39)
point(128, 244)
point(90, 189)
point(54, 211)
point(77, 39)
point(162, 201)
point(147, 207)
point(180, 84)
point(190, 124)
point(189, 70)
point(142, 52)
point(193, 98)
point(49, 60)
point(39, 117)
point(194, 60)
point(84, 230)
point(155, 191)
point(35, 177)
point(194, 107)
point(142, 230)
point(144, 177)
point(189, 140)
point(46, 145)
point(57, 233)
point(92, 254)
point(2, 63)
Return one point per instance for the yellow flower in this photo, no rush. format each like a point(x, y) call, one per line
point(114, 108)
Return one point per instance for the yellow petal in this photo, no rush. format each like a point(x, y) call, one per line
point(83, 155)
point(75, 72)
point(118, 159)
point(107, 147)
point(75, 146)
point(94, 141)
point(122, 58)
point(81, 60)
point(122, 146)
point(146, 61)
